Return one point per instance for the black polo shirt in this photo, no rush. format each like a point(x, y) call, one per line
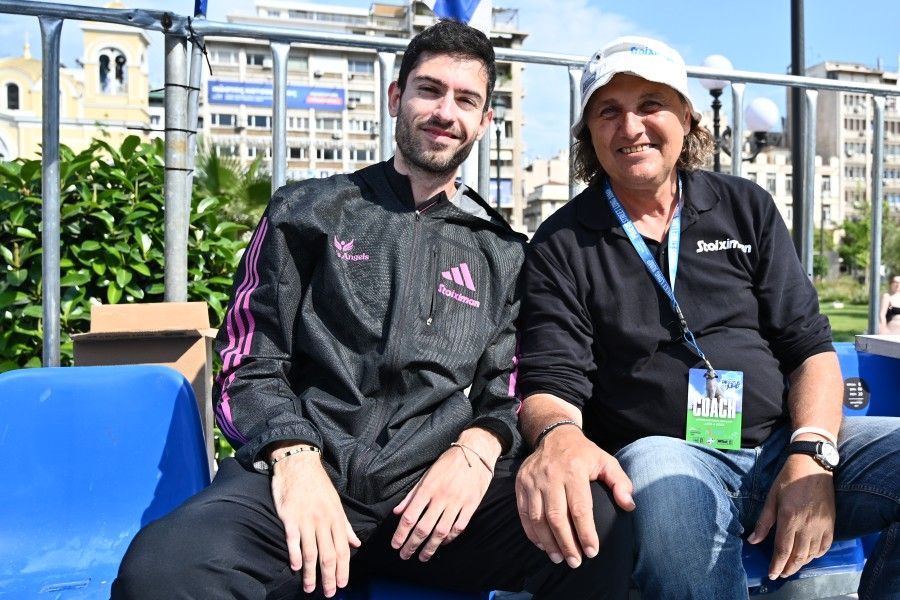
point(598, 332)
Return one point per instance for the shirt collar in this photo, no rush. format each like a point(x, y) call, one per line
point(593, 210)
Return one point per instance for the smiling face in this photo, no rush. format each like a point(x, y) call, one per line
point(440, 113)
point(637, 128)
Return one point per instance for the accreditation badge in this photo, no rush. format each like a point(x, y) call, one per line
point(715, 401)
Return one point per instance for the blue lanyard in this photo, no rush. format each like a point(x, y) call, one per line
point(674, 243)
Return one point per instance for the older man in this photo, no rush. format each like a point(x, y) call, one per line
point(670, 332)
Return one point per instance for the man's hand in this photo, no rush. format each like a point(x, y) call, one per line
point(554, 496)
point(316, 529)
point(441, 504)
point(801, 506)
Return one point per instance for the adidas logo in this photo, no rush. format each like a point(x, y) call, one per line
point(460, 276)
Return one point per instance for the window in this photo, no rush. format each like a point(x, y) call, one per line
point(224, 120)
point(855, 172)
point(297, 63)
point(362, 154)
point(112, 71)
point(223, 56)
point(328, 153)
point(298, 152)
point(253, 151)
point(259, 121)
point(361, 125)
point(12, 96)
point(155, 120)
point(328, 124)
point(826, 184)
point(751, 176)
point(226, 149)
point(256, 59)
point(295, 123)
point(360, 97)
point(788, 184)
point(770, 183)
point(361, 67)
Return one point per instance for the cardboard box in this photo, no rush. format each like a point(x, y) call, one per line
point(174, 334)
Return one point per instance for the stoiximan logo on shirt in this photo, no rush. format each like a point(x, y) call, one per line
point(719, 245)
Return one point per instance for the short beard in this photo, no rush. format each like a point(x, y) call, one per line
point(411, 147)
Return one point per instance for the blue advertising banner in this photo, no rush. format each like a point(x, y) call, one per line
point(260, 94)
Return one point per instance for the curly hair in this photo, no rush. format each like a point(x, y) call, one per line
point(698, 146)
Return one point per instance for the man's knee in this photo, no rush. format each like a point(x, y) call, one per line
point(151, 563)
point(614, 525)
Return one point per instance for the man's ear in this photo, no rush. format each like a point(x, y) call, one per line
point(486, 119)
point(394, 95)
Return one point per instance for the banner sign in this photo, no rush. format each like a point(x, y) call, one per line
point(260, 94)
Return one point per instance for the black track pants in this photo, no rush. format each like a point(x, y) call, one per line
point(227, 542)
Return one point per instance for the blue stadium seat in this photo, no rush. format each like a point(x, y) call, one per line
point(91, 454)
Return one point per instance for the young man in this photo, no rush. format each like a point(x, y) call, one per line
point(364, 306)
point(668, 322)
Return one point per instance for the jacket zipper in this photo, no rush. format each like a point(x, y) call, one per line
point(379, 419)
point(430, 318)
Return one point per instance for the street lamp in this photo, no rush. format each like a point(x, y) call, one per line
point(760, 116)
point(715, 87)
point(499, 107)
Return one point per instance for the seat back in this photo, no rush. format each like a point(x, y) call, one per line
point(91, 455)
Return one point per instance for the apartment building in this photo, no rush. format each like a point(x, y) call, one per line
point(844, 128)
point(334, 94)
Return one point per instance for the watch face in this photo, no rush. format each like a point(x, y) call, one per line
point(829, 454)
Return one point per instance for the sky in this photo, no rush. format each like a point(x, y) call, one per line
point(754, 35)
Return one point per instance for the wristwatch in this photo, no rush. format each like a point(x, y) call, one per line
point(825, 453)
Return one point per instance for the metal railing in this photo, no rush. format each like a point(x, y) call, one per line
point(182, 95)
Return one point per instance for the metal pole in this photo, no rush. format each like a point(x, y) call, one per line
point(809, 176)
point(498, 165)
point(717, 140)
point(798, 124)
point(193, 104)
point(177, 202)
point(385, 123)
point(877, 200)
point(50, 235)
point(484, 165)
point(737, 128)
point(279, 114)
point(574, 108)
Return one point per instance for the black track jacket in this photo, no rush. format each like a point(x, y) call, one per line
point(356, 323)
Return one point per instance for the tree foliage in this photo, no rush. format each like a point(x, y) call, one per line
point(112, 230)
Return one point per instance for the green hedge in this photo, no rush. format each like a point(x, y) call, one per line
point(112, 243)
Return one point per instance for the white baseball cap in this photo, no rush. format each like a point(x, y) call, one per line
point(644, 57)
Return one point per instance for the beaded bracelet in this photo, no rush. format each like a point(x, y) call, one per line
point(551, 427)
point(292, 452)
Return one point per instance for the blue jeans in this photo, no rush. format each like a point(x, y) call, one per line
point(696, 504)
